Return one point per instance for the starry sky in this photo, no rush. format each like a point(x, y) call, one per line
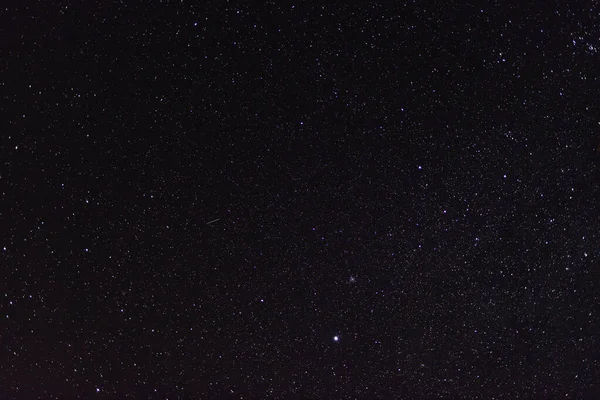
point(291, 200)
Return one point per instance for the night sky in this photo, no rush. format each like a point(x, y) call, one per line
point(278, 200)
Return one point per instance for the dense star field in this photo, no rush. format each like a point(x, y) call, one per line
point(278, 200)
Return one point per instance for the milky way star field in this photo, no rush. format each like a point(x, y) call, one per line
point(275, 200)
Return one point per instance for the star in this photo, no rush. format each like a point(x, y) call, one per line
point(336, 338)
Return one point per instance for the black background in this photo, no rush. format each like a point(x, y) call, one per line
point(420, 180)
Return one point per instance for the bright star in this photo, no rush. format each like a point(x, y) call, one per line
point(336, 338)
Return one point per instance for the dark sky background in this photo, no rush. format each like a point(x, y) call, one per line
point(279, 200)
